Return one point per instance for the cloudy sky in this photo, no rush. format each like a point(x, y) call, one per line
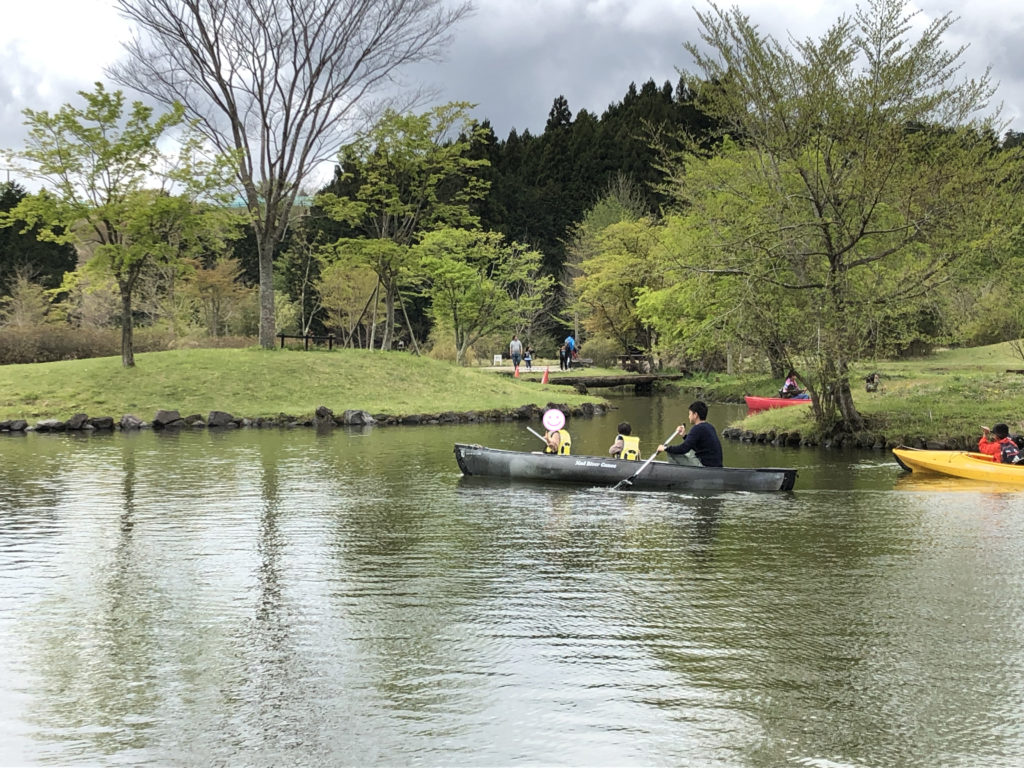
point(512, 57)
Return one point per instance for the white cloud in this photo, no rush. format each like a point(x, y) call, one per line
point(512, 57)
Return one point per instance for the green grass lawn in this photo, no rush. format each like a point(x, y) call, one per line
point(255, 382)
point(948, 394)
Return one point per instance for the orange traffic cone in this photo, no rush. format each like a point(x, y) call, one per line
point(544, 378)
point(516, 374)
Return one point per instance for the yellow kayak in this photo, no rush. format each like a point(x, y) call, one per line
point(965, 464)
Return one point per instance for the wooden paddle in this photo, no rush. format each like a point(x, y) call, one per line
point(629, 480)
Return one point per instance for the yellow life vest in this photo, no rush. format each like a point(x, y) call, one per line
point(564, 444)
point(630, 447)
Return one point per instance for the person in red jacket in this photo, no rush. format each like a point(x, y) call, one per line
point(992, 441)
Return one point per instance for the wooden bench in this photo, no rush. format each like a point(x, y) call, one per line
point(581, 362)
point(639, 363)
point(308, 338)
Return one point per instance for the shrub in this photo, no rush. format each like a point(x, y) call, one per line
point(47, 343)
point(602, 350)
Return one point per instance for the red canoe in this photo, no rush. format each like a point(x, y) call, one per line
point(756, 404)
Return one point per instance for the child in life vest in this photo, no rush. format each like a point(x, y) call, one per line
point(625, 446)
point(996, 443)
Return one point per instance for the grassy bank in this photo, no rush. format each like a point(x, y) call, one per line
point(255, 383)
point(944, 396)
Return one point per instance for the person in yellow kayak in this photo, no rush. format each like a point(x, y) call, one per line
point(998, 444)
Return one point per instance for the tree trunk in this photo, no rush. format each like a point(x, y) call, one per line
point(389, 315)
point(852, 420)
point(461, 342)
point(127, 347)
point(833, 401)
point(268, 329)
point(373, 322)
point(777, 360)
point(412, 334)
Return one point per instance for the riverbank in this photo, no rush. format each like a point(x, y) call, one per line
point(938, 401)
point(272, 387)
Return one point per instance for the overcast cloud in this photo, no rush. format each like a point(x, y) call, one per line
point(512, 57)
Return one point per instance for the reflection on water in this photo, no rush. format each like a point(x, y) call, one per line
point(346, 598)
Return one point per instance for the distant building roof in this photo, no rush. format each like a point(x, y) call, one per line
point(302, 201)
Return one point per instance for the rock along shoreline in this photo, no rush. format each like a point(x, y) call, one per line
point(323, 417)
point(862, 440)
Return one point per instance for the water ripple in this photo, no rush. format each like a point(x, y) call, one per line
point(287, 598)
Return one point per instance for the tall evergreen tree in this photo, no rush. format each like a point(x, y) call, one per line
point(24, 253)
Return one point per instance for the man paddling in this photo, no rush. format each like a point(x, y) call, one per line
point(701, 447)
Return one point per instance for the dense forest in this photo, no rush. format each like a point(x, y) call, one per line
point(540, 187)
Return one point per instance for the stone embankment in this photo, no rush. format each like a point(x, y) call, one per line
point(860, 440)
point(321, 418)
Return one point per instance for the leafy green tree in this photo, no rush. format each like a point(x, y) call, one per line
point(98, 164)
point(411, 174)
point(220, 294)
point(626, 263)
point(475, 282)
point(26, 306)
point(609, 264)
point(161, 298)
point(860, 176)
point(87, 300)
point(298, 271)
point(349, 295)
point(277, 84)
point(704, 319)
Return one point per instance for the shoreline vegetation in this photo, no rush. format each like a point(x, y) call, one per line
point(938, 401)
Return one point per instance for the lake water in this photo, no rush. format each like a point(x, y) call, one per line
point(272, 598)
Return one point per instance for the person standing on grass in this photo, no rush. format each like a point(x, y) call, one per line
point(515, 350)
point(528, 357)
point(570, 346)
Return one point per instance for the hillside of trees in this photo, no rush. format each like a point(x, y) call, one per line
point(540, 188)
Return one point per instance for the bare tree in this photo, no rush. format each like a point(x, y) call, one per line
point(279, 82)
